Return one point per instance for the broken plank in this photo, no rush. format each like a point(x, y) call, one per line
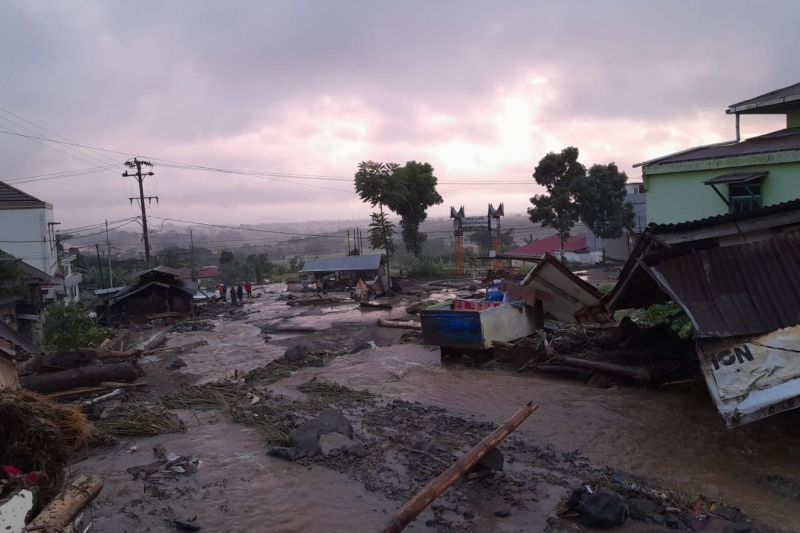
point(413, 507)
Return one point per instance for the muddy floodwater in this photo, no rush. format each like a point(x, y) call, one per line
point(673, 437)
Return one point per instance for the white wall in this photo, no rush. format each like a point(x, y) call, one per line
point(29, 225)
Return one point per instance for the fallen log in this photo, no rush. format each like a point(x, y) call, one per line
point(66, 507)
point(398, 324)
point(80, 377)
point(105, 355)
point(413, 507)
point(634, 373)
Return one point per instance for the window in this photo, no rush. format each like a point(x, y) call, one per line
point(744, 197)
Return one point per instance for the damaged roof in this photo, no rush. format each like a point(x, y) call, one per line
point(349, 263)
point(730, 291)
point(733, 275)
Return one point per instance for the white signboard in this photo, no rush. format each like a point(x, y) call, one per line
point(754, 377)
point(475, 223)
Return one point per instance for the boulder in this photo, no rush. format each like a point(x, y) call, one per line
point(296, 353)
point(333, 444)
point(603, 509)
point(305, 438)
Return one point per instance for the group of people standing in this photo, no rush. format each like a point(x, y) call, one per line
point(237, 293)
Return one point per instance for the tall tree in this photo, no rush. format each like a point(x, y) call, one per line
point(558, 209)
point(381, 233)
point(376, 184)
point(418, 186)
point(601, 201)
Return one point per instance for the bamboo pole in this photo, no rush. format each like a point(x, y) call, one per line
point(60, 512)
point(413, 507)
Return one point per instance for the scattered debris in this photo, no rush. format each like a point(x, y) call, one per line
point(140, 421)
point(176, 364)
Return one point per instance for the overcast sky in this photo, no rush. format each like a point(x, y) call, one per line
point(481, 90)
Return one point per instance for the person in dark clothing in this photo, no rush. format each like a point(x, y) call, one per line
point(233, 296)
point(240, 294)
point(223, 292)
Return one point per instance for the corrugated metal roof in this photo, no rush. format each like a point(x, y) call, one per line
point(737, 177)
point(767, 101)
point(349, 263)
point(777, 141)
point(13, 198)
point(769, 210)
point(739, 290)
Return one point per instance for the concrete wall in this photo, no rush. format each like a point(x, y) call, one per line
point(681, 196)
point(29, 225)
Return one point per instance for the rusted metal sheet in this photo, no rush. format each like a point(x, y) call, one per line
point(738, 290)
point(753, 377)
point(565, 296)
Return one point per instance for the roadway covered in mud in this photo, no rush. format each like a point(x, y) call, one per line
point(407, 417)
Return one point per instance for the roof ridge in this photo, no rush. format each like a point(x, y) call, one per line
point(23, 194)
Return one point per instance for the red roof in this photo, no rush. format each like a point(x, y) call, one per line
point(549, 245)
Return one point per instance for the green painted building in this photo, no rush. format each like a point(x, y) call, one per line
point(732, 176)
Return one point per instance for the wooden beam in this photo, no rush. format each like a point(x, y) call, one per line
point(413, 507)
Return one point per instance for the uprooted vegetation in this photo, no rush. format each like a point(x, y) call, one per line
point(37, 435)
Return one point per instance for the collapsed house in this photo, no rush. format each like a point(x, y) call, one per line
point(735, 276)
point(157, 291)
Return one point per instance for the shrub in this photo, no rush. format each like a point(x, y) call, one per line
point(68, 328)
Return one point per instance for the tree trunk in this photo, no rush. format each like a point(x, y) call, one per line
point(386, 248)
point(67, 505)
point(87, 376)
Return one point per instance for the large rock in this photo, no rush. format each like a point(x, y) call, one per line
point(305, 438)
point(296, 353)
point(333, 444)
point(603, 509)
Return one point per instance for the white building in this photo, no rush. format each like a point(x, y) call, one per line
point(27, 230)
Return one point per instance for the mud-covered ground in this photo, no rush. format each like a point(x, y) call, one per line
point(411, 418)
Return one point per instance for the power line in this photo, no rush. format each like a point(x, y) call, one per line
point(253, 173)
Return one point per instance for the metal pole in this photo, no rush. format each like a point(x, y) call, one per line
point(191, 256)
point(99, 264)
point(108, 251)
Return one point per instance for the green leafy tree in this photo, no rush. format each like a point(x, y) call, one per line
point(377, 184)
point(68, 328)
point(416, 187)
point(296, 264)
point(483, 238)
point(225, 257)
point(558, 209)
point(381, 233)
point(601, 201)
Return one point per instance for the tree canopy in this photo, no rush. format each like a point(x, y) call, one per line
point(417, 186)
point(596, 198)
point(601, 197)
point(558, 209)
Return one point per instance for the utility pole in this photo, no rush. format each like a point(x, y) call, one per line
point(191, 256)
point(108, 251)
point(137, 164)
point(348, 243)
point(99, 264)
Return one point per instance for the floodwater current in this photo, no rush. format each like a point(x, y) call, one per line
point(675, 438)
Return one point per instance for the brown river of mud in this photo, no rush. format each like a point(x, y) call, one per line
point(674, 438)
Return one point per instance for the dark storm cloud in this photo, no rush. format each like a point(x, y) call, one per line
point(196, 80)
